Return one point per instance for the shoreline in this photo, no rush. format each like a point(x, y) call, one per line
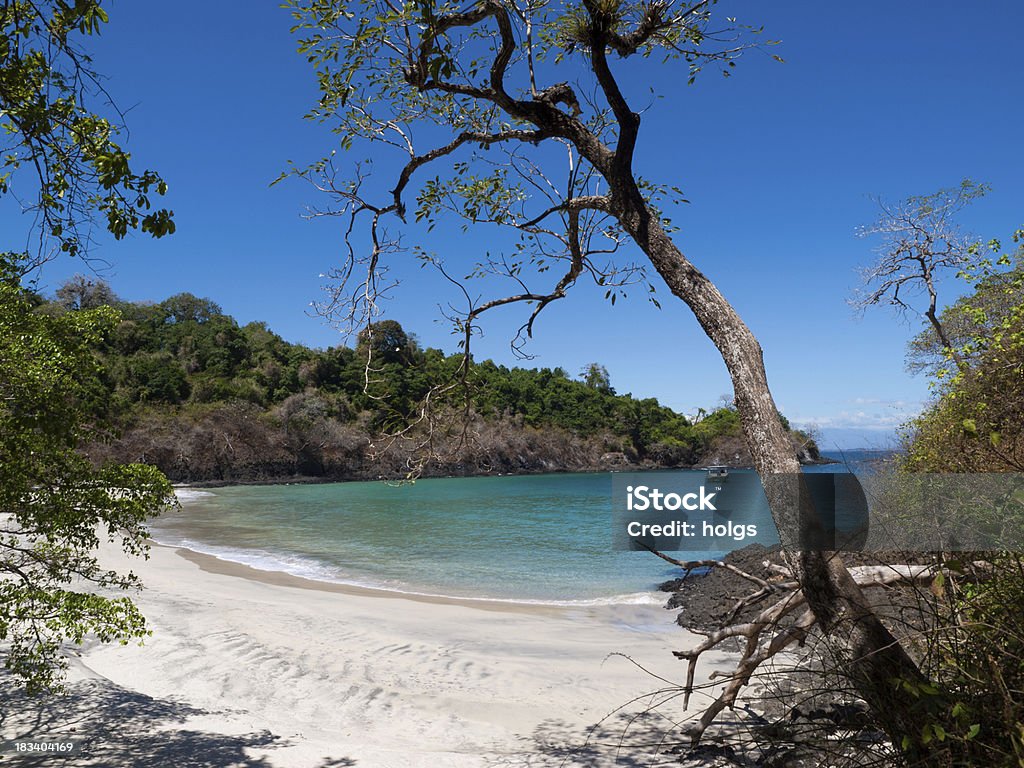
point(258, 561)
point(255, 668)
point(326, 479)
point(264, 552)
point(217, 565)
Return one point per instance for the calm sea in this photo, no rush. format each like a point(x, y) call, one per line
point(536, 538)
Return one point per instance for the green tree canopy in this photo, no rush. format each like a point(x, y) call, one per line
point(60, 164)
point(58, 157)
point(55, 508)
point(975, 424)
point(387, 341)
point(596, 376)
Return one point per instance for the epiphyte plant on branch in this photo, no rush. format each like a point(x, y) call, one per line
point(476, 103)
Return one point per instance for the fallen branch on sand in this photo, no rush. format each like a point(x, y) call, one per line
point(764, 635)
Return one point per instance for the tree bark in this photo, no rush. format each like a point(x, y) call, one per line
point(875, 658)
point(876, 661)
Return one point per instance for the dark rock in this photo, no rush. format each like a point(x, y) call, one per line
point(706, 598)
point(672, 585)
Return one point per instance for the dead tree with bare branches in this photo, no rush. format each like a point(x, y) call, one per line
point(920, 240)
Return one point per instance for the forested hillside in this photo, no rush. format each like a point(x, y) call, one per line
point(204, 399)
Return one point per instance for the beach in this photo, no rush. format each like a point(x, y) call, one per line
point(255, 668)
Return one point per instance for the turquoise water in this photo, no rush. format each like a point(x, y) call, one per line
point(544, 538)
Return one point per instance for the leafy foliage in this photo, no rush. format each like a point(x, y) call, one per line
point(975, 424)
point(185, 356)
point(980, 660)
point(59, 159)
point(596, 376)
point(61, 164)
point(54, 506)
point(974, 652)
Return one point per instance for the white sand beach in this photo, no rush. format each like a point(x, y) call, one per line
point(251, 668)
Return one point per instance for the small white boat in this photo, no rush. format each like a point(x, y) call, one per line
point(718, 473)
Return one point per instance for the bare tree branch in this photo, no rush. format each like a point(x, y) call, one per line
point(920, 242)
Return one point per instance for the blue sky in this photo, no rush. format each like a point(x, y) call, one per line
point(779, 163)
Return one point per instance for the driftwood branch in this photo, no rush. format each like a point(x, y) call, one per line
point(764, 636)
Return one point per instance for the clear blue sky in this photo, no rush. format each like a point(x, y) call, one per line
point(779, 161)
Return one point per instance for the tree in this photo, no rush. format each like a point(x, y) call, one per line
point(975, 423)
point(518, 146)
point(60, 159)
point(972, 320)
point(61, 165)
point(156, 377)
point(186, 308)
point(387, 342)
point(81, 292)
point(975, 640)
point(596, 376)
point(55, 506)
point(920, 241)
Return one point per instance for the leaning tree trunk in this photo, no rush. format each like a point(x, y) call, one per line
point(875, 658)
point(876, 662)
